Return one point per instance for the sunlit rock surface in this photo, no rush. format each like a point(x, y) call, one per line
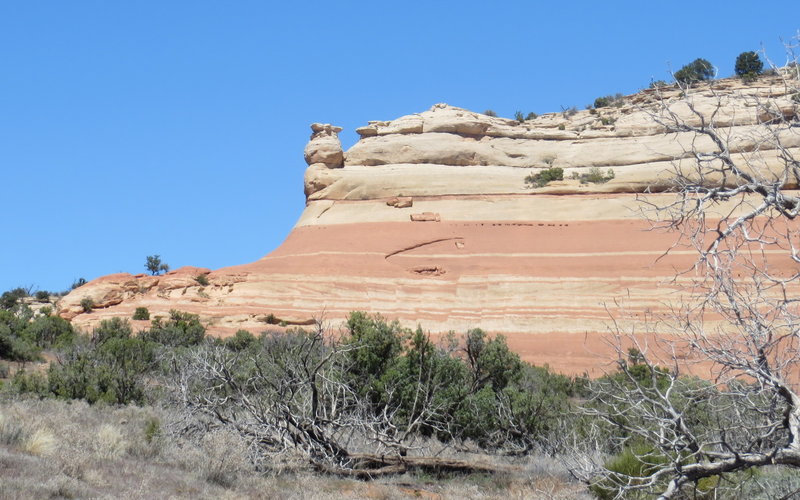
point(428, 219)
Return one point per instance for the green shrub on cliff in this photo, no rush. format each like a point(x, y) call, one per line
point(141, 313)
point(11, 298)
point(87, 304)
point(180, 330)
point(543, 177)
point(696, 71)
point(594, 176)
point(748, 66)
point(609, 100)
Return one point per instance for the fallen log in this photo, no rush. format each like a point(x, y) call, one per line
point(370, 466)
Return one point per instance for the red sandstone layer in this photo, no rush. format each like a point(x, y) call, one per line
point(548, 286)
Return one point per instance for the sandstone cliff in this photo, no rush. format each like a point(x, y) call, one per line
point(427, 219)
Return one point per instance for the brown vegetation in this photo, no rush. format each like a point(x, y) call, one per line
point(59, 449)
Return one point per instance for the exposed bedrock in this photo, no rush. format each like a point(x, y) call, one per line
point(428, 219)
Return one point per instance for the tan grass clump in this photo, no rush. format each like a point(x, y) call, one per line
point(111, 443)
point(41, 442)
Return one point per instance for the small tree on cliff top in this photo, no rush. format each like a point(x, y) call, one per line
point(696, 71)
point(155, 266)
point(748, 65)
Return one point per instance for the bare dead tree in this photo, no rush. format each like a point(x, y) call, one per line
point(736, 204)
point(293, 396)
point(272, 396)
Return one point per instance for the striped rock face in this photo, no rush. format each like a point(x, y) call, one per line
point(428, 219)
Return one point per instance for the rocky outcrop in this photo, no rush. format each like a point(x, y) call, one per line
point(401, 202)
point(428, 219)
point(412, 155)
point(324, 148)
point(113, 289)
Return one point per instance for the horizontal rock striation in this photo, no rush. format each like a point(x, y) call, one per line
point(428, 219)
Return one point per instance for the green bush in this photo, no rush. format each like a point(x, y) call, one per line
point(240, 341)
point(601, 102)
point(748, 65)
point(379, 345)
point(114, 328)
point(33, 382)
point(636, 461)
point(42, 296)
point(609, 100)
point(14, 348)
point(491, 362)
point(180, 330)
point(696, 71)
point(110, 372)
point(489, 112)
point(15, 342)
point(48, 331)
point(202, 279)
point(11, 298)
point(87, 304)
point(531, 116)
point(595, 176)
point(109, 367)
point(386, 365)
point(519, 116)
point(141, 313)
point(543, 177)
point(421, 377)
point(406, 374)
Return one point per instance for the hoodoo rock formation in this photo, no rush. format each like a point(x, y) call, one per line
point(324, 148)
point(428, 219)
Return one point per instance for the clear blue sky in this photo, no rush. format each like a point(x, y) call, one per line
point(177, 127)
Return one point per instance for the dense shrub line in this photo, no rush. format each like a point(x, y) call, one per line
point(389, 368)
point(109, 365)
point(374, 380)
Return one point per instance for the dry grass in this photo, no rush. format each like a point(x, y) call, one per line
point(41, 442)
point(110, 444)
point(58, 449)
point(11, 431)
